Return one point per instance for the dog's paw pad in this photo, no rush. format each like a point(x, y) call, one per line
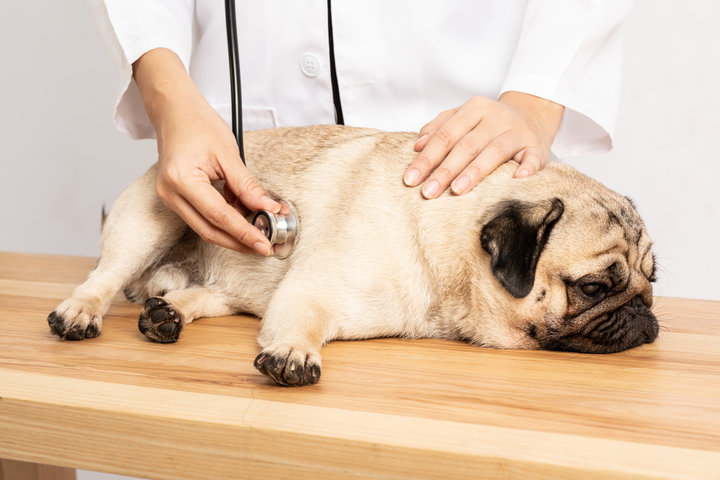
point(73, 321)
point(159, 321)
point(289, 366)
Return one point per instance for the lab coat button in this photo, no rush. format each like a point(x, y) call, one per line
point(310, 65)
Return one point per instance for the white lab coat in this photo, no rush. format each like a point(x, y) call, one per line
point(399, 62)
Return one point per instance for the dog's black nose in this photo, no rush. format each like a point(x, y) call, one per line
point(647, 322)
point(651, 329)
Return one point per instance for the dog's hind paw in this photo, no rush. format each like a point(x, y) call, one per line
point(73, 320)
point(160, 322)
point(289, 366)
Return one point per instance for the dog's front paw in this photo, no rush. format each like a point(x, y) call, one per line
point(74, 320)
point(289, 366)
point(160, 322)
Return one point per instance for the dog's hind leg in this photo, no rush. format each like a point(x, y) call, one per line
point(163, 318)
point(156, 281)
point(138, 232)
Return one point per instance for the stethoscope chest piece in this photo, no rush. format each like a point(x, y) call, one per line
point(281, 228)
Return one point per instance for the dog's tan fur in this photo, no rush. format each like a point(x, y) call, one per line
point(375, 259)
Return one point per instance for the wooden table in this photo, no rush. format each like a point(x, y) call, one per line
point(385, 408)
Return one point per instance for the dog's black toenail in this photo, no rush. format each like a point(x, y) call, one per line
point(92, 331)
point(75, 333)
point(294, 374)
point(314, 375)
point(275, 363)
point(260, 362)
point(54, 318)
point(260, 359)
point(55, 322)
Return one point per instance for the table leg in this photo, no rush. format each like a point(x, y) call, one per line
point(14, 470)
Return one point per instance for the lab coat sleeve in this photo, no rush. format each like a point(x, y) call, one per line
point(570, 52)
point(131, 28)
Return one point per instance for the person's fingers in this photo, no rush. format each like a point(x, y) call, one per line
point(531, 162)
point(218, 213)
point(462, 146)
point(230, 197)
point(429, 128)
point(439, 145)
point(203, 228)
point(241, 182)
point(498, 151)
point(233, 200)
point(421, 142)
point(464, 152)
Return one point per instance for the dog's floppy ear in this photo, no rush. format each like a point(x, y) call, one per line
point(515, 237)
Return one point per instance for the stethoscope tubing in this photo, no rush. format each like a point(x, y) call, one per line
point(234, 68)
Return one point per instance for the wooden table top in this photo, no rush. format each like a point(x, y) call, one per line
point(385, 408)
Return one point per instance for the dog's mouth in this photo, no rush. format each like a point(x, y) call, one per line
point(631, 325)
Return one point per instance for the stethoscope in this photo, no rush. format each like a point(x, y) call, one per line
point(281, 228)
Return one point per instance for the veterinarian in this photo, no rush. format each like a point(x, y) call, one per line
point(490, 81)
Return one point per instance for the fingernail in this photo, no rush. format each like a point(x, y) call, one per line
point(521, 173)
point(412, 177)
point(419, 144)
point(262, 249)
point(430, 189)
point(460, 185)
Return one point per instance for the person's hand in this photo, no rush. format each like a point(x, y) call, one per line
point(195, 148)
point(463, 145)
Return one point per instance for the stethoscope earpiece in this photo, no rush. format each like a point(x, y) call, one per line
point(281, 228)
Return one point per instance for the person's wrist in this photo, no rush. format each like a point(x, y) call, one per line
point(543, 115)
point(167, 100)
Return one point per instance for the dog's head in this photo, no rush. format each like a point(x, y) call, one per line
point(573, 272)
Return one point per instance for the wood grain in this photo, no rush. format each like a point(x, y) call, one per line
point(386, 408)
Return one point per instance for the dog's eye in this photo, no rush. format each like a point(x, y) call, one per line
point(592, 289)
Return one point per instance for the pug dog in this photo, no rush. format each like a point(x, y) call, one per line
point(554, 261)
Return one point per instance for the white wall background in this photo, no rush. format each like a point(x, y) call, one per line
point(666, 156)
point(61, 159)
